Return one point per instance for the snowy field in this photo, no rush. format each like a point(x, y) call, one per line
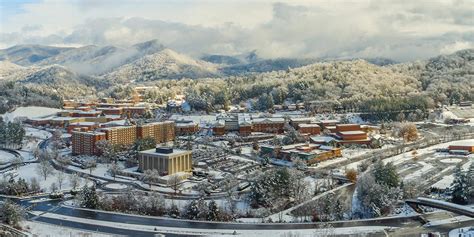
point(6, 157)
point(29, 112)
point(398, 159)
point(29, 171)
point(46, 230)
point(37, 133)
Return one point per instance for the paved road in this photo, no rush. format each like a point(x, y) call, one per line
point(169, 222)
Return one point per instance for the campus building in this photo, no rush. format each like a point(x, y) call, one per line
point(84, 143)
point(186, 128)
point(469, 147)
point(310, 153)
point(125, 135)
point(166, 160)
point(161, 131)
point(310, 129)
point(268, 125)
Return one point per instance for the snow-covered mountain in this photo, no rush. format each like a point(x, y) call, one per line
point(13, 72)
point(95, 60)
point(166, 64)
point(27, 55)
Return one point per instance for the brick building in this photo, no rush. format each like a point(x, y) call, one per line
point(187, 128)
point(84, 143)
point(161, 131)
point(310, 128)
point(268, 125)
point(125, 135)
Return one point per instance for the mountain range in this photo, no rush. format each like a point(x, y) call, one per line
point(145, 61)
point(99, 67)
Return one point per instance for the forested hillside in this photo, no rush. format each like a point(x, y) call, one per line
point(354, 85)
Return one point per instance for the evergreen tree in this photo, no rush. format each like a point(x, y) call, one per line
point(386, 174)
point(192, 210)
point(338, 210)
point(89, 197)
point(213, 213)
point(459, 187)
point(173, 211)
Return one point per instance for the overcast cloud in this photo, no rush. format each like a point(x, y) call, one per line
point(401, 30)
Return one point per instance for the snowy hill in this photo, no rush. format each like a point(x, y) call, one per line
point(95, 60)
point(27, 55)
point(165, 64)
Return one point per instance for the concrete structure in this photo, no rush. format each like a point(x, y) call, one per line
point(167, 161)
point(84, 143)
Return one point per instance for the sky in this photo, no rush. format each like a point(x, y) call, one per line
point(397, 29)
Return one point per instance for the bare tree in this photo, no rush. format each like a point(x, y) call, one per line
point(114, 170)
point(91, 165)
point(74, 180)
point(151, 176)
point(175, 182)
point(44, 169)
point(60, 178)
point(54, 187)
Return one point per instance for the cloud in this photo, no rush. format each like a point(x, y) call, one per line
point(401, 30)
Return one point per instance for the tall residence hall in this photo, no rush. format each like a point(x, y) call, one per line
point(83, 142)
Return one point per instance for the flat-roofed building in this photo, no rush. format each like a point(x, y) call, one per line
point(111, 110)
point(347, 127)
point(186, 128)
point(161, 131)
point(219, 128)
point(310, 153)
point(310, 128)
point(125, 135)
point(245, 128)
point(84, 143)
point(268, 125)
point(87, 126)
point(295, 122)
point(462, 146)
point(166, 160)
point(328, 123)
point(359, 137)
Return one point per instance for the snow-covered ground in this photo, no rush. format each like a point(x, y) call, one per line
point(30, 112)
point(425, 168)
point(451, 161)
point(447, 180)
point(401, 158)
point(6, 157)
point(29, 171)
point(46, 230)
point(462, 232)
point(37, 133)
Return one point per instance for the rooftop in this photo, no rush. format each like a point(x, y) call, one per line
point(173, 153)
point(352, 133)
